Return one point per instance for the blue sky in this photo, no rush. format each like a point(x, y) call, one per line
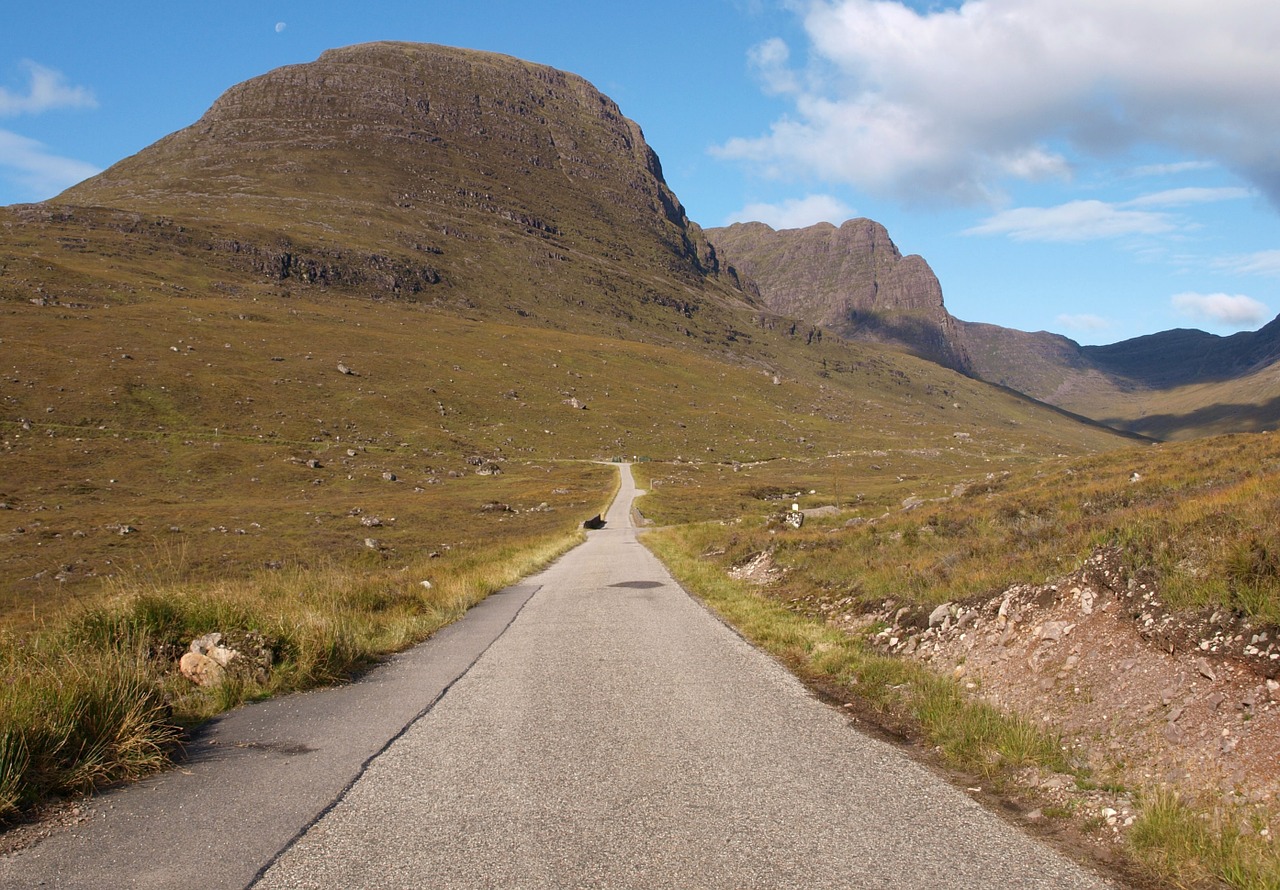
point(1099, 168)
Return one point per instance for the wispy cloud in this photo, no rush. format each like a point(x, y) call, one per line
point(1263, 262)
point(1094, 220)
point(795, 213)
point(1173, 169)
point(1090, 324)
point(952, 102)
point(1187, 196)
point(1074, 221)
point(46, 90)
point(1221, 309)
point(38, 172)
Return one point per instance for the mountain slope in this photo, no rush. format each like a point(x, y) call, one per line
point(1172, 385)
point(354, 282)
point(433, 174)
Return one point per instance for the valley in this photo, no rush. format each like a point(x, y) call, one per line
point(348, 354)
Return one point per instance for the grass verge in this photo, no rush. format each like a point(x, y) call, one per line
point(96, 699)
point(970, 736)
point(1195, 520)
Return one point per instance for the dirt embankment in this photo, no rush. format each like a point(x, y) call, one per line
point(1144, 697)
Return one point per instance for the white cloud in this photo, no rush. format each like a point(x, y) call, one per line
point(770, 60)
point(796, 213)
point(1263, 262)
point(1073, 221)
point(945, 104)
point(1221, 309)
point(280, 26)
point(47, 89)
point(1087, 323)
point(35, 170)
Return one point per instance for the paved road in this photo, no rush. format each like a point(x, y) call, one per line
point(592, 727)
point(617, 735)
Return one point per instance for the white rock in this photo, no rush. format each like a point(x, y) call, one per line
point(201, 669)
point(940, 614)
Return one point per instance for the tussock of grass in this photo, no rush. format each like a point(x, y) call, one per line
point(97, 699)
point(1190, 846)
point(75, 719)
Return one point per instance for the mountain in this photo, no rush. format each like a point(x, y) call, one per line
point(1175, 384)
point(398, 168)
point(354, 281)
point(853, 280)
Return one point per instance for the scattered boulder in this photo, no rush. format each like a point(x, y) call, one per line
point(575, 403)
point(210, 659)
point(343, 369)
point(201, 669)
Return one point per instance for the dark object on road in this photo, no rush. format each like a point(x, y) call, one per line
point(596, 521)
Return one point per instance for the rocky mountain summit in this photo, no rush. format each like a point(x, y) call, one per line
point(851, 279)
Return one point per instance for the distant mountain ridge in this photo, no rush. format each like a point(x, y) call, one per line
point(853, 280)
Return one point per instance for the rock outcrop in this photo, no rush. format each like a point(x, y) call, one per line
point(851, 279)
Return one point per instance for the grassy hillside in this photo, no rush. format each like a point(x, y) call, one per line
point(198, 412)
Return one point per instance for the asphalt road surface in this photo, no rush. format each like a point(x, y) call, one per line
point(593, 727)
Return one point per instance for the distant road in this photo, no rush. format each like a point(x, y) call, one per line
point(610, 733)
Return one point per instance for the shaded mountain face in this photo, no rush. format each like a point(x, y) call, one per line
point(435, 174)
point(851, 279)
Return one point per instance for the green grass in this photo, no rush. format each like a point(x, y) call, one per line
point(1199, 520)
point(95, 698)
point(1193, 845)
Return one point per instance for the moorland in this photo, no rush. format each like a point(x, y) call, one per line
point(358, 347)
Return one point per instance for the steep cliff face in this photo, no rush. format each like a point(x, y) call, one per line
point(851, 279)
point(516, 183)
